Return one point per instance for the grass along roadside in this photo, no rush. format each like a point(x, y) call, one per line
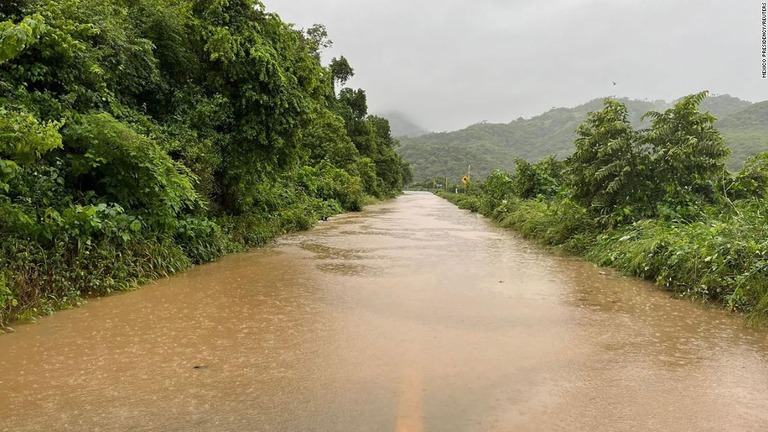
point(38, 279)
point(722, 259)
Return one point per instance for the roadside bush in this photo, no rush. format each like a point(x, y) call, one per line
point(498, 188)
point(121, 166)
point(723, 261)
point(752, 180)
point(203, 240)
point(40, 279)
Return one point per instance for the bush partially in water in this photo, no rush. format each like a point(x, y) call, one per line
point(721, 260)
point(42, 279)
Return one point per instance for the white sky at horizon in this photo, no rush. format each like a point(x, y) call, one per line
point(448, 64)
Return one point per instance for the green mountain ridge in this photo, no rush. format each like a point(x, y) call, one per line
point(490, 146)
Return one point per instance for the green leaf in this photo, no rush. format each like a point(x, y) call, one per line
point(135, 226)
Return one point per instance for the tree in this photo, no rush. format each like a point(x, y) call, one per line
point(539, 179)
point(341, 71)
point(120, 166)
point(606, 170)
point(317, 37)
point(327, 140)
point(354, 103)
point(688, 153)
point(270, 84)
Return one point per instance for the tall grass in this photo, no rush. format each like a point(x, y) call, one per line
point(37, 279)
point(720, 259)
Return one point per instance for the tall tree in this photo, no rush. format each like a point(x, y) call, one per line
point(606, 170)
point(688, 153)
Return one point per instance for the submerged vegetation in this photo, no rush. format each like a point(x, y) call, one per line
point(657, 203)
point(140, 137)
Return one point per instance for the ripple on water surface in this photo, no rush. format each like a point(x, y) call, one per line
point(412, 315)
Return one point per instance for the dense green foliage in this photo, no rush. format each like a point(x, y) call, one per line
point(487, 147)
point(140, 137)
point(656, 203)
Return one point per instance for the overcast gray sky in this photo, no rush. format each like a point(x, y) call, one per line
point(449, 63)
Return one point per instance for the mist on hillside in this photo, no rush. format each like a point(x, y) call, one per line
point(402, 125)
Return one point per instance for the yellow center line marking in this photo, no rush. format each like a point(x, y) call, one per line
point(410, 410)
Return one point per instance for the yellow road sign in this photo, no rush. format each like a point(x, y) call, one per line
point(465, 179)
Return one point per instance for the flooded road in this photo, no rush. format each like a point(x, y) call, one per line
point(410, 316)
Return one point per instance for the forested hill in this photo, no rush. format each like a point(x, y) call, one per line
point(746, 131)
point(140, 137)
point(489, 146)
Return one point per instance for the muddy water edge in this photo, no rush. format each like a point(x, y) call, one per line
point(410, 316)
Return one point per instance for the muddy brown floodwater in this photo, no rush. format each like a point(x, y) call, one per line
point(410, 316)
